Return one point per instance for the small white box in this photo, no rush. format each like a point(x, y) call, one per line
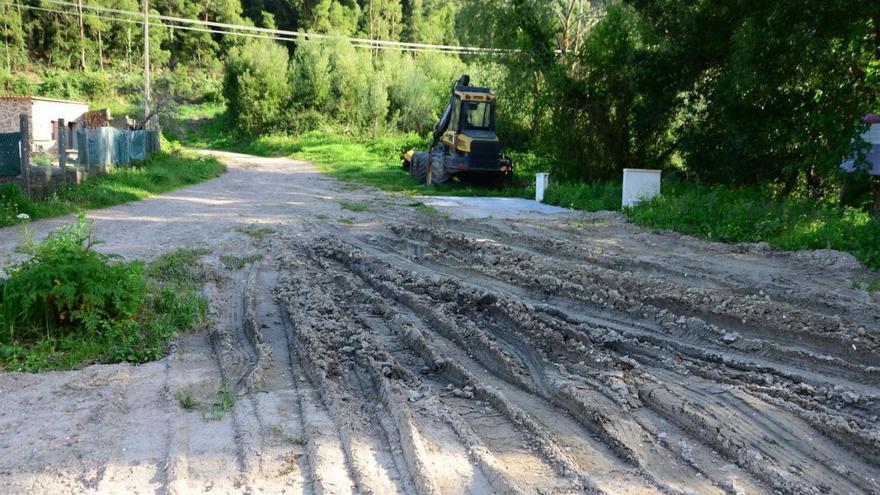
point(639, 185)
point(542, 180)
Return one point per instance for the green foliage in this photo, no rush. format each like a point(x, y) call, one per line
point(82, 85)
point(186, 400)
point(744, 214)
point(69, 305)
point(223, 402)
point(595, 196)
point(155, 175)
point(67, 286)
point(15, 84)
point(238, 262)
point(255, 85)
point(354, 206)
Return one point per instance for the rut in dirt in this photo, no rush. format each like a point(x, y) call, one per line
point(535, 374)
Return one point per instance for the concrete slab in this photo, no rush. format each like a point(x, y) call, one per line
point(475, 207)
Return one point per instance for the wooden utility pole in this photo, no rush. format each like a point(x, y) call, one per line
point(146, 64)
point(25, 149)
point(62, 149)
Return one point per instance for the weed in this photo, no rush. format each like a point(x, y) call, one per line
point(69, 305)
point(345, 220)
point(872, 286)
point(353, 206)
point(322, 216)
point(186, 400)
point(238, 262)
point(177, 266)
point(223, 402)
point(428, 210)
point(258, 233)
point(279, 431)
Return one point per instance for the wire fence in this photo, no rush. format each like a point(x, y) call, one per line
point(10, 154)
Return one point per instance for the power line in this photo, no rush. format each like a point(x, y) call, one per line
point(305, 38)
point(295, 34)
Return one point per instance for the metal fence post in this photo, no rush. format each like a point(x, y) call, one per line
point(25, 149)
point(62, 149)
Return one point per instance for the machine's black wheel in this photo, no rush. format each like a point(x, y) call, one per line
point(419, 167)
point(439, 173)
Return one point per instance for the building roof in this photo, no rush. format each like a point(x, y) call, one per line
point(41, 98)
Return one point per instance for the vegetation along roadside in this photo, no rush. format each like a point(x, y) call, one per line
point(157, 174)
point(69, 305)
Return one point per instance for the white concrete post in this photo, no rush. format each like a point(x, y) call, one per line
point(542, 180)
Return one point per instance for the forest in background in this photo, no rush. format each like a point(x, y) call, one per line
point(739, 93)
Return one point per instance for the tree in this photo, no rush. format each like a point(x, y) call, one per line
point(255, 84)
point(14, 48)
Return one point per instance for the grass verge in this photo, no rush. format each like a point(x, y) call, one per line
point(158, 174)
point(69, 305)
point(724, 214)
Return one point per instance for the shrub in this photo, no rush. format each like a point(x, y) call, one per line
point(70, 305)
point(255, 85)
point(88, 85)
point(15, 84)
point(66, 287)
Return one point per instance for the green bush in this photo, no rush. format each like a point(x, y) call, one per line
point(750, 214)
point(14, 202)
point(69, 305)
point(15, 84)
point(67, 286)
point(255, 85)
point(85, 85)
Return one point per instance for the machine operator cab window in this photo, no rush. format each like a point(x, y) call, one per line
point(477, 115)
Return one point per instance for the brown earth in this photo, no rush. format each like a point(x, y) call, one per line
point(395, 351)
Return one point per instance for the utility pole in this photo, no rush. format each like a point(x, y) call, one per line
point(146, 64)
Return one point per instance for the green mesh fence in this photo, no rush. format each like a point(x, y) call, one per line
point(110, 146)
point(10, 156)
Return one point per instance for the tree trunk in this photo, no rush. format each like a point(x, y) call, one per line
point(100, 51)
point(82, 36)
point(875, 193)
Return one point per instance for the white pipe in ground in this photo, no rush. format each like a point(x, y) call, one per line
point(542, 180)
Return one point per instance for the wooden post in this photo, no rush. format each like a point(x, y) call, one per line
point(62, 149)
point(25, 150)
point(84, 148)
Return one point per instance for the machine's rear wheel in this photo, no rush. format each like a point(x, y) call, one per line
point(419, 167)
point(438, 173)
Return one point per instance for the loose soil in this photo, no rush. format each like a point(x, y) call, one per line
point(396, 351)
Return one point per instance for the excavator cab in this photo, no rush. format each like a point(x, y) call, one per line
point(465, 143)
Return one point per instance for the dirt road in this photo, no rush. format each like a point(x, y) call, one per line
point(394, 350)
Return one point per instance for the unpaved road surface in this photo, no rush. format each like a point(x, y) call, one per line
point(396, 351)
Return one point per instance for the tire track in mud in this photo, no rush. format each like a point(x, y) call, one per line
point(851, 381)
point(781, 476)
point(485, 433)
point(670, 480)
point(814, 332)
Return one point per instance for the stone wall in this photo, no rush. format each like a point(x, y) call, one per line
point(46, 179)
point(10, 109)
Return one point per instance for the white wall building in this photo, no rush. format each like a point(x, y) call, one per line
point(44, 114)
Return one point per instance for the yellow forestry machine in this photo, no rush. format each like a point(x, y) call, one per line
point(465, 144)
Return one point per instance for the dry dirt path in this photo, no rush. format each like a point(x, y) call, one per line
point(392, 351)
